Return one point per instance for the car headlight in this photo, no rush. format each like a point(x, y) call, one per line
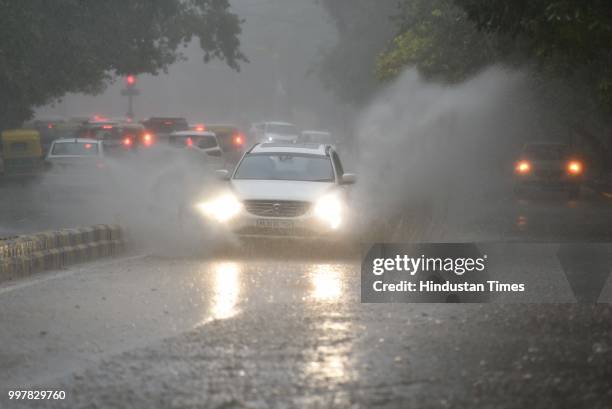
point(329, 209)
point(222, 208)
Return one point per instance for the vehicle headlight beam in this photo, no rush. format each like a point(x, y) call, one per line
point(221, 209)
point(329, 209)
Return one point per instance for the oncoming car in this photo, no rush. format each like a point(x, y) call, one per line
point(548, 166)
point(286, 190)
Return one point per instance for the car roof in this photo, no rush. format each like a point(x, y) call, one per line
point(77, 140)
point(317, 132)
point(192, 133)
point(304, 148)
point(277, 123)
point(227, 126)
point(105, 122)
point(165, 118)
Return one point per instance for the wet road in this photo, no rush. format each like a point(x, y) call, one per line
point(160, 332)
point(288, 330)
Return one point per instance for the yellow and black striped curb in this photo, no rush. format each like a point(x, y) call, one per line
point(21, 256)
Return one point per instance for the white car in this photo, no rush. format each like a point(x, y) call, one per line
point(75, 153)
point(75, 166)
point(275, 132)
point(280, 190)
point(203, 146)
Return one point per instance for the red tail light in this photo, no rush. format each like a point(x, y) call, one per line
point(107, 127)
point(87, 146)
point(50, 126)
point(523, 167)
point(147, 139)
point(239, 139)
point(127, 142)
point(189, 142)
point(574, 167)
point(200, 128)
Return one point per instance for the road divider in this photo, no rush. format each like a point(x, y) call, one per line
point(21, 256)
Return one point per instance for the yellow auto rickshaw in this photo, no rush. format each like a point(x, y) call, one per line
point(21, 152)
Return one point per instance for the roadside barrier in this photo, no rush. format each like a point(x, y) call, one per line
point(21, 256)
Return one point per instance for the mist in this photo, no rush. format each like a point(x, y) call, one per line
point(447, 149)
point(282, 40)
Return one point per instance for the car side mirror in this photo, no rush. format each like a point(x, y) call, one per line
point(222, 174)
point(348, 179)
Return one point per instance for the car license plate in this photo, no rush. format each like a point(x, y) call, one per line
point(275, 224)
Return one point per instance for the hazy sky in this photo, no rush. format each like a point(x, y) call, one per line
point(283, 40)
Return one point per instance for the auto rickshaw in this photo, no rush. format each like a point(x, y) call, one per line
point(21, 152)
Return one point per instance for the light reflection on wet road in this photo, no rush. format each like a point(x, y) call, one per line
point(61, 322)
point(244, 331)
point(226, 287)
point(277, 333)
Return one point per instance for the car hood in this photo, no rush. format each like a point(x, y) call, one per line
point(280, 190)
point(548, 164)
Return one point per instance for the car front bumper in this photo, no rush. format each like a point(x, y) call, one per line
point(304, 227)
point(556, 183)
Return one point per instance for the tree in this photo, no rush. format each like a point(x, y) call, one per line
point(49, 48)
point(567, 42)
point(364, 28)
point(437, 38)
point(567, 39)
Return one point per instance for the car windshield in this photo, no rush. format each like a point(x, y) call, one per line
point(282, 129)
point(546, 151)
point(75, 149)
point(285, 166)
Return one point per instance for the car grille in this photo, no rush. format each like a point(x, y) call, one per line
point(264, 231)
point(549, 174)
point(276, 208)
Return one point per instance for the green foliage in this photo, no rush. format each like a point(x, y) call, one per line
point(436, 38)
point(49, 48)
point(364, 28)
point(568, 39)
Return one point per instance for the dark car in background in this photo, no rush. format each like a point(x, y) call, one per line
point(118, 137)
point(161, 127)
point(232, 141)
point(548, 166)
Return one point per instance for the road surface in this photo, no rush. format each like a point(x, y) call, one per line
point(286, 329)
